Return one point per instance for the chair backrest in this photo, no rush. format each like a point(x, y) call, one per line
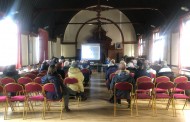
point(165, 85)
point(85, 71)
point(143, 79)
point(145, 85)
point(180, 79)
point(38, 80)
point(124, 86)
point(30, 75)
point(49, 87)
point(183, 85)
point(70, 80)
point(162, 79)
point(112, 75)
point(44, 71)
point(33, 87)
point(24, 80)
point(132, 74)
point(13, 87)
point(35, 72)
point(7, 80)
point(41, 74)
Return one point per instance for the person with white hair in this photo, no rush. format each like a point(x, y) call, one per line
point(165, 67)
point(66, 66)
point(122, 76)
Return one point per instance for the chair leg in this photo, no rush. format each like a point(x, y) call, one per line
point(137, 113)
point(131, 107)
point(45, 109)
point(6, 110)
point(62, 103)
point(168, 104)
point(115, 106)
point(173, 107)
point(185, 104)
point(24, 109)
point(155, 108)
point(152, 105)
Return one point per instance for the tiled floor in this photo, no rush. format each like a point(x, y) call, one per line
point(97, 109)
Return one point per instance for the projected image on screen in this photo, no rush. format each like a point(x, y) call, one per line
point(90, 52)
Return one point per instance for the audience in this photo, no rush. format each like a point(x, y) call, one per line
point(66, 66)
point(10, 71)
point(164, 67)
point(61, 90)
point(141, 71)
point(107, 60)
point(131, 67)
point(148, 68)
point(75, 72)
point(122, 76)
point(44, 66)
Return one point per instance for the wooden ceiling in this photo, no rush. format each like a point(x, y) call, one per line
point(54, 15)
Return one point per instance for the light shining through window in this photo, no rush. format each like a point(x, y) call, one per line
point(8, 42)
point(158, 47)
point(185, 44)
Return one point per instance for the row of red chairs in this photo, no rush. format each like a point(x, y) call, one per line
point(29, 92)
point(162, 89)
point(22, 80)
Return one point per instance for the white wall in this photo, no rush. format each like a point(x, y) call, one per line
point(112, 31)
point(24, 44)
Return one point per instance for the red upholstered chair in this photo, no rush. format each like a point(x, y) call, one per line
point(3, 99)
point(44, 71)
point(41, 74)
point(31, 76)
point(70, 80)
point(34, 94)
point(7, 80)
point(35, 72)
point(85, 71)
point(183, 86)
point(143, 79)
point(149, 86)
point(132, 75)
point(49, 87)
point(168, 86)
point(38, 80)
point(24, 80)
point(179, 80)
point(161, 79)
point(123, 86)
point(16, 88)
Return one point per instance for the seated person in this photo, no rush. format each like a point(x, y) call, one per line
point(44, 66)
point(148, 68)
point(141, 71)
point(60, 71)
point(10, 71)
point(107, 60)
point(164, 67)
point(112, 67)
point(131, 67)
point(122, 76)
point(52, 77)
point(66, 66)
point(75, 72)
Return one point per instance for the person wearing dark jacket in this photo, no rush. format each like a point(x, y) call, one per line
point(60, 89)
point(11, 72)
point(122, 76)
point(141, 71)
point(111, 69)
point(44, 66)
